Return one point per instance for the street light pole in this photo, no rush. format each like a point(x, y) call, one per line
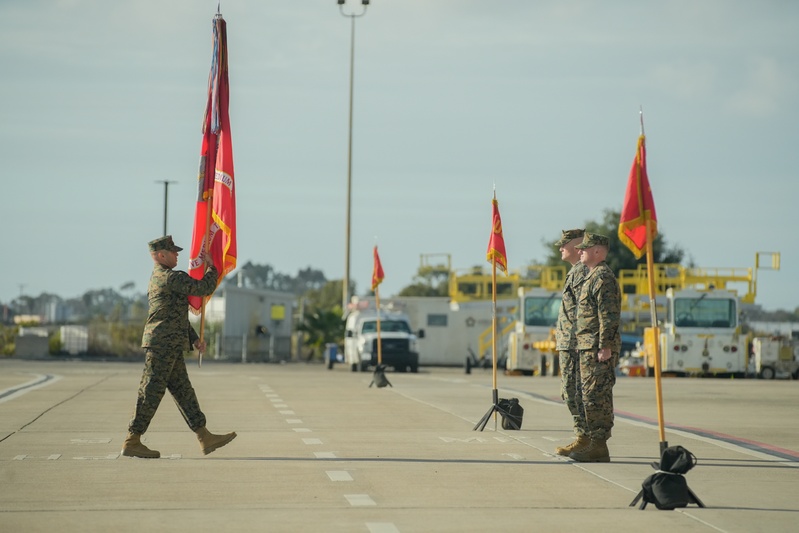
point(345, 296)
point(166, 197)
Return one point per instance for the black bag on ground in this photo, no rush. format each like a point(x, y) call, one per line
point(512, 413)
point(667, 487)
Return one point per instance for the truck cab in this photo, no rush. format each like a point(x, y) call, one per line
point(701, 334)
point(533, 335)
point(399, 345)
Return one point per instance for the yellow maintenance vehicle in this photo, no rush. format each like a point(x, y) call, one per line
point(708, 342)
point(699, 314)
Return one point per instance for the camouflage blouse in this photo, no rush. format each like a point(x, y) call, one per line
point(167, 328)
point(567, 315)
point(599, 311)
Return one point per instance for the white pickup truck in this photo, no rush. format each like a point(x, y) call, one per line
point(399, 345)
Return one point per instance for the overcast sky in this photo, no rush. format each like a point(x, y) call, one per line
point(99, 100)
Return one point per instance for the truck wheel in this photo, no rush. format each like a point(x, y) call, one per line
point(364, 367)
point(767, 372)
point(415, 368)
point(354, 367)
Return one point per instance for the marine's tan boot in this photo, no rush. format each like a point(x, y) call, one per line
point(595, 452)
point(210, 442)
point(134, 448)
point(581, 442)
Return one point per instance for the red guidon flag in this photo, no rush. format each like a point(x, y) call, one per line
point(496, 244)
point(377, 271)
point(638, 206)
point(215, 215)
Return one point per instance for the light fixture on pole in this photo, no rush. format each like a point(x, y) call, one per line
point(166, 197)
point(346, 282)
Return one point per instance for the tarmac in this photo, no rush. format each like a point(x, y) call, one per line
point(319, 450)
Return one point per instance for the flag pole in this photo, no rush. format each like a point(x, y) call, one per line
point(653, 314)
point(379, 343)
point(495, 391)
point(207, 248)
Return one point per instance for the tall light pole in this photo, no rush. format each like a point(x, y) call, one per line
point(166, 197)
point(345, 296)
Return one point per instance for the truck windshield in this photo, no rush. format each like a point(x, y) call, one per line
point(541, 310)
point(704, 312)
point(392, 326)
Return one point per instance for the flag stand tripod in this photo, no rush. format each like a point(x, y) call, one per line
point(496, 408)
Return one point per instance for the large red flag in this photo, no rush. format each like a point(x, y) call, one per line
point(215, 214)
point(638, 206)
point(496, 244)
point(377, 271)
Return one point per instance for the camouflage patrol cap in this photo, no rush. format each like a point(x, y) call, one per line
point(164, 243)
point(592, 239)
point(568, 235)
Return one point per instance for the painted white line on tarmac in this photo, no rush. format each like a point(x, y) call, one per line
point(338, 475)
point(381, 527)
point(360, 500)
point(312, 441)
point(287, 412)
point(293, 421)
point(324, 455)
point(301, 430)
point(41, 380)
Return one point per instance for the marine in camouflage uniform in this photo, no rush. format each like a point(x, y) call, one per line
point(567, 342)
point(599, 344)
point(167, 335)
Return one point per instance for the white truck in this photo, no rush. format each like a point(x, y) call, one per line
point(700, 335)
point(775, 357)
point(533, 338)
point(399, 345)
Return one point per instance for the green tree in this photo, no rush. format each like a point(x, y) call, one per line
point(321, 326)
point(619, 256)
point(429, 281)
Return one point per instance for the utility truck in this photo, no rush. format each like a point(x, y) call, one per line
point(534, 334)
point(775, 357)
point(399, 345)
point(700, 335)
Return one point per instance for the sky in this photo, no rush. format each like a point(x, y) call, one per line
point(101, 101)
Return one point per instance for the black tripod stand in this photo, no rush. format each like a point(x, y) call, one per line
point(497, 408)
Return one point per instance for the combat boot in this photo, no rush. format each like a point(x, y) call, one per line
point(581, 442)
point(595, 452)
point(134, 448)
point(210, 442)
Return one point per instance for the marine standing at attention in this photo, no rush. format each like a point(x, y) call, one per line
point(599, 343)
point(567, 341)
point(167, 334)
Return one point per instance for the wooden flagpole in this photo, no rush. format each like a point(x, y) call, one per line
point(379, 343)
point(494, 335)
point(206, 254)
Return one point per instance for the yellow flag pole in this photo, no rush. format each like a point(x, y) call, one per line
point(207, 250)
point(494, 334)
point(650, 269)
point(379, 343)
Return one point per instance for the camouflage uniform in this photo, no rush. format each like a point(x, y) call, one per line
point(598, 321)
point(567, 347)
point(167, 334)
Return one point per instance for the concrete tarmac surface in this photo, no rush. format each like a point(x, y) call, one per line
point(318, 450)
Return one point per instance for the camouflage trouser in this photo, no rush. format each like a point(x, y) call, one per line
point(161, 372)
point(571, 389)
point(598, 378)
